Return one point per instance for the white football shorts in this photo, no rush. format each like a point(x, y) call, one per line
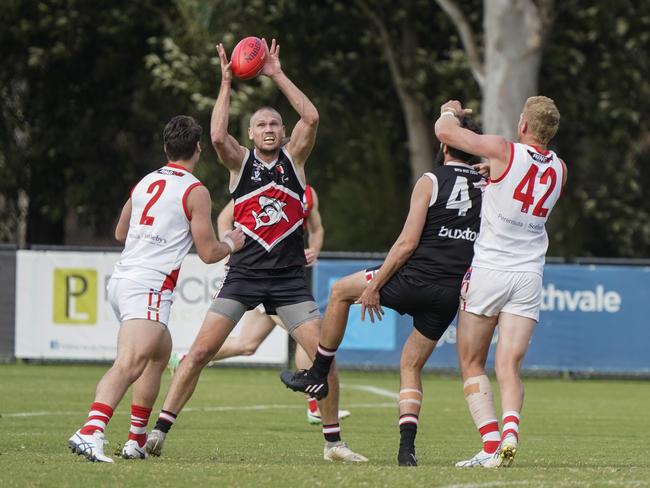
point(131, 300)
point(490, 292)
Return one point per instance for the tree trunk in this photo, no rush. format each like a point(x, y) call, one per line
point(418, 127)
point(420, 137)
point(513, 50)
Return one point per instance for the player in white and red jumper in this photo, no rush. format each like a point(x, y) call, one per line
point(167, 211)
point(504, 283)
point(267, 184)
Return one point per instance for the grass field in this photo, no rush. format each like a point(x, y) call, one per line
point(574, 433)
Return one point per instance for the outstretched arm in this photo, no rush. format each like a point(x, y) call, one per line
point(316, 232)
point(404, 246)
point(448, 131)
point(303, 135)
point(210, 250)
point(230, 152)
point(122, 228)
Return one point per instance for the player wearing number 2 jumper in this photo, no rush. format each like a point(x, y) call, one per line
point(420, 277)
point(167, 211)
point(504, 283)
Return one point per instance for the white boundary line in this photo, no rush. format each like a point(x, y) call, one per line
point(225, 408)
point(230, 408)
point(373, 389)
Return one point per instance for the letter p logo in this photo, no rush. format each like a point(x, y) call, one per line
point(75, 296)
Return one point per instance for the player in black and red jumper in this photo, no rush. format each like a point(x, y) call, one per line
point(267, 186)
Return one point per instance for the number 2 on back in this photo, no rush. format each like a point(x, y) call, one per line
point(156, 188)
point(524, 192)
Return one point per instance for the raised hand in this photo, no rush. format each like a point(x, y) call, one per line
point(226, 71)
point(483, 168)
point(272, 65)
point(455, 107)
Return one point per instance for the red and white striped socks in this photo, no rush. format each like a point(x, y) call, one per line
point(511, 424)
point(139, 419)
point(312, 404)
point(490, 436)
point(98, 417)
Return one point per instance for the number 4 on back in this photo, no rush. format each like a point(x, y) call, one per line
point(459, 196)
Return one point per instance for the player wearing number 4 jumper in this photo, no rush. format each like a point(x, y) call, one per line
point(504, 283)
point(267, 184)
point(421, 277)
point(167, 211)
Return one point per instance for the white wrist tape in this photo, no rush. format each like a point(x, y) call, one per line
point(448, 112)
point(228, 242)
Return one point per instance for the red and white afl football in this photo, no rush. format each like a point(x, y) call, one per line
point(248, 58)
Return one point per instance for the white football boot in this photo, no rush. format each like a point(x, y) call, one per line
point(155, 442)
point(314, 418)
point(132, 450)
point(481, 460)
point(90, 446)
point(339, 451)
point(507, 450)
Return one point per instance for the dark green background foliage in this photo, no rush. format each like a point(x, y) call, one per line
point(86, 88)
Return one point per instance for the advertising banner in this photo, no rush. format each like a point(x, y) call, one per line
point(594, 319)
point(62, 308)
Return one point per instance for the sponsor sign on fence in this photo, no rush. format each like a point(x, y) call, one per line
point(62, 308)
point(594, 319)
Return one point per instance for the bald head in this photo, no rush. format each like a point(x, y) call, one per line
point(266, 111)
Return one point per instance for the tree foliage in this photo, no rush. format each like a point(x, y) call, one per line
point(597, 68)
point(86, 88)
point(79, 120)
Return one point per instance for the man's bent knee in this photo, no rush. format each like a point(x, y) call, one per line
point(131, 370)
point(507, 369)
point(247, 349)
point(199, 356)
point(413, 365)
point(340, 292)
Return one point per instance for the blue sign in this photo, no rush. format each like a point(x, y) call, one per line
point(594, 318)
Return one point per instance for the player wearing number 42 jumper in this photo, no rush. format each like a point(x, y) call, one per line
point(504, 283)
point(421, 277)
point(167, 211)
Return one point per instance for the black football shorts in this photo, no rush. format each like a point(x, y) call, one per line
point(432, 307)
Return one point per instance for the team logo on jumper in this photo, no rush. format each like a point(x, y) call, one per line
point(465, 234)
point(540, 158)
point(257, 171)
point(280, 169)
point(269, 214)
point(170, 172)
point(75, 296)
